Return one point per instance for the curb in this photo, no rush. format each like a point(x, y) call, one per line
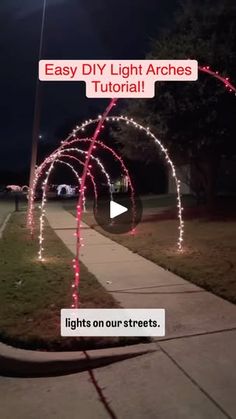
point(23, 363)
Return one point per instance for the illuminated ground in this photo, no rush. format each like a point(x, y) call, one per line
point(191, 375)
point(208, 259)
point(33, 293)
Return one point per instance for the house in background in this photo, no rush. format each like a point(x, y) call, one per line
point(226, 183)
point(120, 185)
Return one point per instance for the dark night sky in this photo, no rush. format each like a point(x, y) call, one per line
point(74, 29)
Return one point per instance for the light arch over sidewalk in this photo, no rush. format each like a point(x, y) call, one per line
point(100, 125)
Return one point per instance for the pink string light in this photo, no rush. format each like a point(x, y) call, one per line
point(89, 173)
point(225, 80)
point(76, 265)
point(45, 186)
point(94, 140)
point(147, 131)
point(118, 158)
point(30, 218)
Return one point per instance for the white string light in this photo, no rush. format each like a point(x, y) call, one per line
point(147, 131)
point(45, 184)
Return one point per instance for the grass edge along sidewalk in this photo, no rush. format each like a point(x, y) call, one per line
point(33, 293)
point(208, 256)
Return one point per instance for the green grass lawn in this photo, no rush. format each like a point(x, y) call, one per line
point(148, 202)
point(32, 293)
point(209, 252)
point(165, 201)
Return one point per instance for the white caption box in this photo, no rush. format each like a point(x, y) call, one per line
point(118, 78)
point(112, 322)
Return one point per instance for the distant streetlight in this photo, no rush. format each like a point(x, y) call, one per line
point(37, 108)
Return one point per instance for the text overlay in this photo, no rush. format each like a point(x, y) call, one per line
point(112, 322)
point(118, 78)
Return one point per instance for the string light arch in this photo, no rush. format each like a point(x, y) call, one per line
point(100, 121)
point(45, 185)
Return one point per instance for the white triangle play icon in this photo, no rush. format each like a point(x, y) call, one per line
point(116, 209)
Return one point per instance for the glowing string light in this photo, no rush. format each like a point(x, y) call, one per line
point(121, 162)
point(45, 185)
point(41, 219)
point(98, 162)
point(225, 80)
point(100, 121)
point(30, 220)
point(39, 172)
point(147, 131)
point(75, 173)
point(70, 157)
point(75, 299)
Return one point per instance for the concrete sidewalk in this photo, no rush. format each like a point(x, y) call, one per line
point(192, 375)
point(6, 207)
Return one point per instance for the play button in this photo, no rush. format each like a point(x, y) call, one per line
point(116, 209)
point(118, 215)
